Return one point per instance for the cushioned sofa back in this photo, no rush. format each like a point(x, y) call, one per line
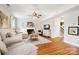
point(3, 32)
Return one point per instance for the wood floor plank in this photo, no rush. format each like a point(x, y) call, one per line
point(57, 47)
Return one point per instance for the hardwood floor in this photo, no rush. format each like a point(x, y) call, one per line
point(57, 47)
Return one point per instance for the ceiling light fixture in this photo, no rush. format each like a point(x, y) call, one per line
point(36, 14)
point(8, 5)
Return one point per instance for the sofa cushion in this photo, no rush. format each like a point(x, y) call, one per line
point(3, 36)
point(13, 39)
point(3, 48)
point(24, 36)
point(0, 38)
point(8, 35)
point(3, 33)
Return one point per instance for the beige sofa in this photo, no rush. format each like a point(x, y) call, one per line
point(3, 48)
point(15, 45)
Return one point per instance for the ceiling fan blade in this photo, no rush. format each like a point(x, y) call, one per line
point(7, 4)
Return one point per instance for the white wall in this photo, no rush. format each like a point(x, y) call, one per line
point(71, 19)
point(50, 22)
point(54, 25)
point(21, 23)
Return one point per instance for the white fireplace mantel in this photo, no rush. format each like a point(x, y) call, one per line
point(30, 28)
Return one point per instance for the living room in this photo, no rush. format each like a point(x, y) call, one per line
point(39, 29)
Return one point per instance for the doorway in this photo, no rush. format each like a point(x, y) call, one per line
point(62, 27)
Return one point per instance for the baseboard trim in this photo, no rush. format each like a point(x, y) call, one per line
point(56, 36)
point(71, 43)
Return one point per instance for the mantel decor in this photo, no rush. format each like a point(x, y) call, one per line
point(73, 30)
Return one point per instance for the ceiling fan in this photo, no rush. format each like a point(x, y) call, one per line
point(36, 14)
point(8, 5)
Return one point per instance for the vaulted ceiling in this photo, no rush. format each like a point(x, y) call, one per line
point(47, 10)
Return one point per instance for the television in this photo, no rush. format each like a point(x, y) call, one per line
point(47, 26)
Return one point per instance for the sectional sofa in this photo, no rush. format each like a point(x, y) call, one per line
point(13, 44)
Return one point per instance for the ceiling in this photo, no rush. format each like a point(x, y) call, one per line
point(47, 10)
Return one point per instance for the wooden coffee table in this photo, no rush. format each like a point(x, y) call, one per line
point(34, 36)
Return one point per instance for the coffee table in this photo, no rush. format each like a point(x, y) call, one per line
point(34, 36)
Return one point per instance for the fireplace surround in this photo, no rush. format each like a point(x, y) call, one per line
point(30, 31)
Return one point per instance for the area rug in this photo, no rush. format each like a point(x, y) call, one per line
point(41, 40)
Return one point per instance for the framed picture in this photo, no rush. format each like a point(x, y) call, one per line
point(3, 21)
point(73, 30)
point(30, 24)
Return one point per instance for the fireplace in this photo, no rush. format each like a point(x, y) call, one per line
point(30, 31)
